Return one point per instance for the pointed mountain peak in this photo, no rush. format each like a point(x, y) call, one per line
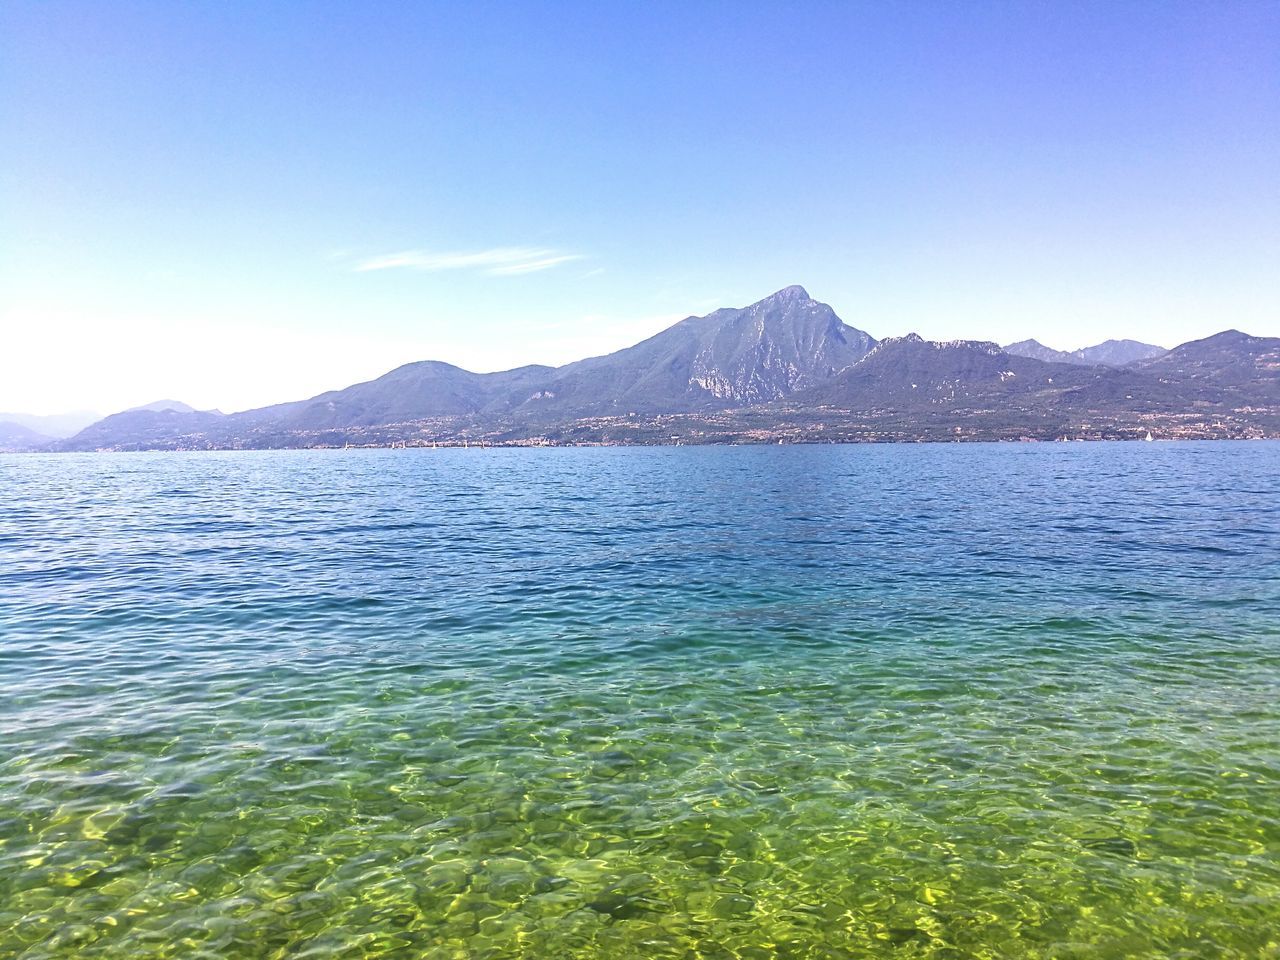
point(792, 294)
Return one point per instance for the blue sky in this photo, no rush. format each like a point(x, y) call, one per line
point(235, 204)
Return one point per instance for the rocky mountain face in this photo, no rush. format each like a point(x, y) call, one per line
point(729, 358)
point(786, 366)
point(1111, 353)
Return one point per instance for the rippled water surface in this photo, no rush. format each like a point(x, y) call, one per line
point(797, 702)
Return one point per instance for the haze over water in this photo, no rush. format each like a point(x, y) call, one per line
point(781, 702)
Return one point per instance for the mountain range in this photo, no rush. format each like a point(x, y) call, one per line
point(1111, 353)
point(786, 368)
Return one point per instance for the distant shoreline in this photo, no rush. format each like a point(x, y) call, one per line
point(561, 445)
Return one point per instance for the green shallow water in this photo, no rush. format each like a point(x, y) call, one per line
point(723, 704)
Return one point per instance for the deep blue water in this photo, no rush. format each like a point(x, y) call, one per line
point(923, 700)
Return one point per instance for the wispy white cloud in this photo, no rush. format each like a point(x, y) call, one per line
point(498, 261)
point(533, 266)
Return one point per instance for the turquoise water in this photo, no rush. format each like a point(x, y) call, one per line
point(798, 702)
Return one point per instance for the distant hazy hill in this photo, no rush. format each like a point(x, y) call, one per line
point(1112, 353)
point(142, 429)
point(16, 437)
point(1119, 353)
point(1036, 350)
point(52, 425)
point(791, 363)
point(428, 388)
point(161, 406)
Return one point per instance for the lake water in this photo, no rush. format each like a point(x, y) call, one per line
point(787, 702)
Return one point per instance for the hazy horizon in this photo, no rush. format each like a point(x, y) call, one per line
point(236, 207)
